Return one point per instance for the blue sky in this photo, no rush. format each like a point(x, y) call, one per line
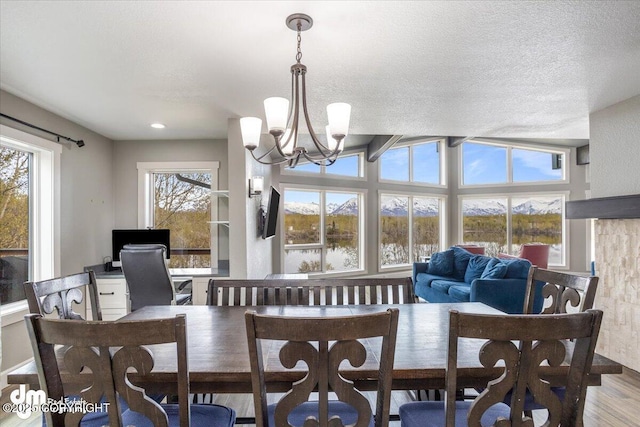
point(483, 164)
point(486, 164)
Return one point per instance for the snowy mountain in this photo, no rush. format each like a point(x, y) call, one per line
point(301, 208)
point(483, 207)
point(539, 207)
point(397, 206)
point(350, 207)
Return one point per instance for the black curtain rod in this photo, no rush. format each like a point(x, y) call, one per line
point(79, 142)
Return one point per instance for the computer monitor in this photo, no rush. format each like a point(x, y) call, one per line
point(119, 238)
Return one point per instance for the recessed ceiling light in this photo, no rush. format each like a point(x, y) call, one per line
point(157, 125)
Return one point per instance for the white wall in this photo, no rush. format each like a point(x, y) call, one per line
point(250, 255)
point(614, 149)
point(86, 205)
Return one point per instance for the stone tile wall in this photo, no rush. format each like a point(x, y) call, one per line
point(617, 253)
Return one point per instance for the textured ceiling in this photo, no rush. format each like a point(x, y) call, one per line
point(493, 69)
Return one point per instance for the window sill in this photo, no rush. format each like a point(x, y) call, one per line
point(14, 312)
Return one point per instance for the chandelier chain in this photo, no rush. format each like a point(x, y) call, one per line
point(299, 54)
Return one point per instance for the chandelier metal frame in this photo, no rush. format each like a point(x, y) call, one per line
point(286, 140)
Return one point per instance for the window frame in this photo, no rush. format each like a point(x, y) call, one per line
point(443, 203)
point(44, 210)
point(361, 193)
point(411, 144)
point(565, 254)
point(566, 161)
point(362, 170)
point(146, 189)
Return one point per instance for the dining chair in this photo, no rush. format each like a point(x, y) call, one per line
point(311, 292)
point(544, 340)
point(322, 344)
point(562, 291)
point(98, 358)
point(148, 277)
point(61, 293)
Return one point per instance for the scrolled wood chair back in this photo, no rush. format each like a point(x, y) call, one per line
point(96, 359)
point(60, 294)
point(543, 341)
point(322, 344)
point(561, 290)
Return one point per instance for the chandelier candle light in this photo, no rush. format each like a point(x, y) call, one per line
point(282, 118)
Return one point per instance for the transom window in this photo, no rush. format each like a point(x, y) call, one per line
point(322, 231)
point(410, 228)
point(418, 163)
point(495, 164)
point(346, 165)
point(504, 223)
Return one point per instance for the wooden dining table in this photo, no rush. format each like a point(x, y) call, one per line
point(219, 357)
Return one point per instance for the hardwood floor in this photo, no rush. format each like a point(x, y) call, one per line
point(614, 404)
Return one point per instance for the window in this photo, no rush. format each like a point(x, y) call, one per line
point(502, 224)
point(489, 164)
point(418, 162)
point(484, 223)
point(178, 196)
point(29, 184)
point(346, 165)
point(322, 231)
point(408, 234)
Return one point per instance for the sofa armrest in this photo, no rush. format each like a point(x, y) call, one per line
point(419, 267)
point(504, 294)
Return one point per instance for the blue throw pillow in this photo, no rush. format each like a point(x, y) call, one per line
point(441, 263)
point(461, 259)
point(517, 268)
point(475, 268)
point(494, 270)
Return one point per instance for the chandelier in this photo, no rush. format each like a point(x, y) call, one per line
point(282, 118)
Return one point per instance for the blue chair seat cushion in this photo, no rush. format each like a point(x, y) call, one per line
point(347, 413)
point(460, 292)
point(431, 414)
point(201, 415)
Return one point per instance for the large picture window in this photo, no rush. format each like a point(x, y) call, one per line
point(410, 228)
point(29, 184)
point(322, 231)
point(419, 162)
point(503, 223)
point(178, 196)
point(495, 164)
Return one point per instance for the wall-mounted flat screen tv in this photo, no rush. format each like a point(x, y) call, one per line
point(119, 238)
point(271, 219)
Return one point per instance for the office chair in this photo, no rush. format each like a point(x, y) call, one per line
point(148, 277)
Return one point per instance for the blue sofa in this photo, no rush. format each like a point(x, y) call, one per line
point(457, 275)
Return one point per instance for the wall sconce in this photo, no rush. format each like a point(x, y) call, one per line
point(256, 185)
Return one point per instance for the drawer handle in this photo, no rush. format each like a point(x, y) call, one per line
point(107, 293)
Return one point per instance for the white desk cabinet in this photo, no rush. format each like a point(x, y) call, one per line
point(199, 290)
point(114, 298)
